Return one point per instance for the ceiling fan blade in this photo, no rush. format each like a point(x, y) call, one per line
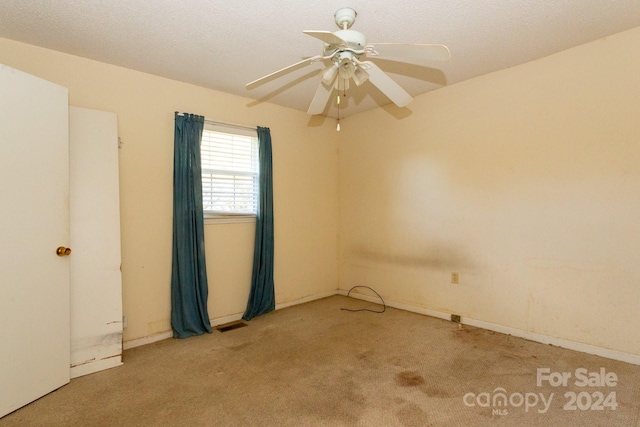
point(382, 81)
point(409, 52)
point(326, 36)
point(283, 71)
point(323, 93)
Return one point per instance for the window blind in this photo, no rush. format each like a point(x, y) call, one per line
point(229, 170)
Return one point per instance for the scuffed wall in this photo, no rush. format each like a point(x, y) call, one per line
point(524, 181)
point(305, 186)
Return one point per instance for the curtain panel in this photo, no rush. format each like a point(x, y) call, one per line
point(189, 287)
point(262, 295)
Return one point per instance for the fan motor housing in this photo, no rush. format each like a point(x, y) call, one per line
point(353, 38)
point(355, 42)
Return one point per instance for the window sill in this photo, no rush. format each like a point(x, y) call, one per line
point(229, 219)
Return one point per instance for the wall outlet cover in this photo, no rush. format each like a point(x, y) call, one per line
point(455, 278)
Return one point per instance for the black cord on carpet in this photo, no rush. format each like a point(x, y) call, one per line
point(384, 306)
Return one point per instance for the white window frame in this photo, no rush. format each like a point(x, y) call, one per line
point(218, 217)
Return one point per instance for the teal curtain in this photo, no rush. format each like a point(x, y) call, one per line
point(262, 298)
point(189, 288)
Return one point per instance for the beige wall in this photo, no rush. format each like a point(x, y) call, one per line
point(525, 181)
point(305, 186)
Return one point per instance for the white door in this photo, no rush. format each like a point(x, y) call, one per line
point(96, 285)
point(34, 221)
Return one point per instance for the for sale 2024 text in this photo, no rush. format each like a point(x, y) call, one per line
point(582, 377)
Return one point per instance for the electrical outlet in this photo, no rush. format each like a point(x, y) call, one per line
point(456, 318)
point(124, 322)
point(455, 278)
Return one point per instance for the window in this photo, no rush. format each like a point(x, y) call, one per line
point(229, 171)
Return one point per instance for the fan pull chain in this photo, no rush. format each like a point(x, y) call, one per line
point(344, 93)
point(338, 121)
point(338, 104)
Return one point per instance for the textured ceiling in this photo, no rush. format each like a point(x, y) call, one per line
point(225, 44)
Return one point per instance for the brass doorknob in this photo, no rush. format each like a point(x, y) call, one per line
point(62, 251)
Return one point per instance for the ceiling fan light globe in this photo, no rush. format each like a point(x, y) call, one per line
point(329, 74)
point(347, 69)
point(342, 84)
point(360, 76)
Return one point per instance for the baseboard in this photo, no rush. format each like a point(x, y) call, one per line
point(127, 345)
point(306, 299)
point(543, 339)
point(220, 321)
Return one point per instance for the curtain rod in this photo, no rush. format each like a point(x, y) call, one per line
point(233, 125)
point(211, 122)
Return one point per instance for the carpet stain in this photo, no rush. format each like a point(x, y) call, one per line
point(409, 379)
point(240, 347)
point(437, 392)
point(365, 355)
point(412, 415)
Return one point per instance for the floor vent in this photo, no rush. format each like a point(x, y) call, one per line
point(230, 326)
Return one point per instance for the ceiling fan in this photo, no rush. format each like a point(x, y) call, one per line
point(346, 52)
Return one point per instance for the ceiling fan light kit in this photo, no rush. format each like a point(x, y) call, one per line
point(345, 54)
